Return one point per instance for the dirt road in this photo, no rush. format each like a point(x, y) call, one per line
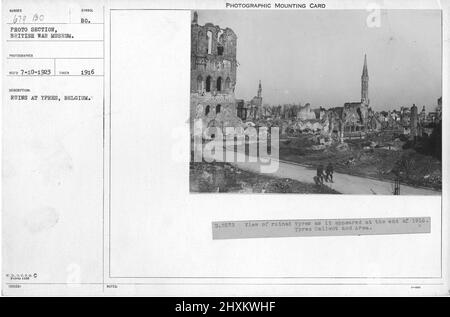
point(343, 183)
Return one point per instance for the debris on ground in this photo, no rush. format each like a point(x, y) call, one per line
point(223, 177)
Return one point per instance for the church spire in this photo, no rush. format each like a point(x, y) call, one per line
point(259, 89)
point(365, 83)
point(365, 72)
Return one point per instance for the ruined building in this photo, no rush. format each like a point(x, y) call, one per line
point(414, 122)
point(255, 105)
point(306, 113)
point(251, 110)
point(422, 116)
point(213, 74)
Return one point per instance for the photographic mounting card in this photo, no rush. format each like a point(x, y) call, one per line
point(225, 148)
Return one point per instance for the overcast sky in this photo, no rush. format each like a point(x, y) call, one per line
point(317, 56)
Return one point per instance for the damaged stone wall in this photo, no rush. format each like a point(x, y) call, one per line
point(219, 110)
point(213, 59)
point(355, 114)
point(213, 75)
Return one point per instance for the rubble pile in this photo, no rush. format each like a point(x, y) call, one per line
point(224, 177)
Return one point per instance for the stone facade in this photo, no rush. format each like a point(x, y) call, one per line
point(213, 74)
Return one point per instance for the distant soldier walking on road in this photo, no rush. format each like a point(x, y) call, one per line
point(329, 172)
point(320, 174)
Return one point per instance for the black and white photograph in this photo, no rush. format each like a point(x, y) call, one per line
point(316, 102)
point(225, 149)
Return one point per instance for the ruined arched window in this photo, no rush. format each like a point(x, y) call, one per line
point(360, 117)
point(208, 84)
point(199, 83)
point(219, 84)
point(228, 83)
point(209, 37)
point(219, 41)
point(206, 110)
point(218, 109)
point(220, 50)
